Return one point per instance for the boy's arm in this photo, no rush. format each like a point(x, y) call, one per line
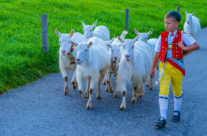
point(155, 60)
point(190, 48)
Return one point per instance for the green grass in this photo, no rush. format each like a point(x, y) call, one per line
point(21, 56)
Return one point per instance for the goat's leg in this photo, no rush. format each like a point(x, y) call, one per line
point(74, 82)
point(80, 86)
point(116, 95)
point(140, 91)
point(98, 95)
point(104, 81)
point(92, 85)
point(134, 95)
point(66, 85)
point(123, 102)
point(88, 86)
point(108, 85)
point(65, 76)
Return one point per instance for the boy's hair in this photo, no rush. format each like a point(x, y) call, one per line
point(174, 14)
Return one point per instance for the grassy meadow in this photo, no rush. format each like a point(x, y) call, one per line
point(21, 56)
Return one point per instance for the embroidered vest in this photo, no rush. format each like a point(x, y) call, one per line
point(177, 52)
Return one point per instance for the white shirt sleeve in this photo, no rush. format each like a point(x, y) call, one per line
point(188, 39)
point(158, 45)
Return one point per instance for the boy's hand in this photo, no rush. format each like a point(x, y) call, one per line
point(152, 73)
point(181, 45)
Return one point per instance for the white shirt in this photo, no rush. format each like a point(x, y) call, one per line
point(187, 39)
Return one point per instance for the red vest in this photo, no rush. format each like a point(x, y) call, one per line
point(177, 52)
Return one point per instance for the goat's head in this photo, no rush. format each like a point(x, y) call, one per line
point(115, 49)
point(143, 36)
point(128, 48)
point(88, 29)
point(65, 42)
point(83, 51)
point(189, 17)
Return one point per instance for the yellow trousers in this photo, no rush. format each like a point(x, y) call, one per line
point(171, 75)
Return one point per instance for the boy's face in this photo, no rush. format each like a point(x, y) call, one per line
point(171, 24)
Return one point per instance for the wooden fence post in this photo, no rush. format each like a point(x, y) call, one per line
point(45, 46)
point(178, 9)
point(127, 19)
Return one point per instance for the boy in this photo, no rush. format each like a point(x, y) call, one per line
point(169, 49)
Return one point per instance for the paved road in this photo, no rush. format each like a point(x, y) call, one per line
point(41, 109)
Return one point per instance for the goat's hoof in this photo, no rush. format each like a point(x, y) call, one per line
point(104, 83)
point(98, 97)
point(74, 87)
point(151, 88)
point(147, 85)
point(134, 100)
point(74, 84)
point(88, 106)
point(82, 94)
point(106, 90)
point(122, 108)
point(140, 96)
point(86, 94)
point(66, 91)
point(116, 95)
point(111, 91)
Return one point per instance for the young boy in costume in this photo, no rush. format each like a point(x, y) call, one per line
point(169, 49)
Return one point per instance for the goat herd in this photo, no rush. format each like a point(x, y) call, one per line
point(94, 56)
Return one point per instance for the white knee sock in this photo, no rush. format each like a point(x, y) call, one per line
point(163, 102)
point(177, 102)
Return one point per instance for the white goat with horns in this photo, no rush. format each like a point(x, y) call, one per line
point(192, 25)
point(100, 31)
point(67, 56)
point(135, 64)
point(93, 60)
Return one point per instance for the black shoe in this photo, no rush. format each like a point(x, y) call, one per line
point(160, 123)
point(176, 116)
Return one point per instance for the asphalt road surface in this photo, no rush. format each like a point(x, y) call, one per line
point(41, 108)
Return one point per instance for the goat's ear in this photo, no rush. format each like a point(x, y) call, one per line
point(83, 24)
point(135, 30)
point(150, 32)
point(57, 32)
point(120, 39)
point(94, 24)
point(90, 43)
point(72, 32)
point(186, 12)
point(74, 44)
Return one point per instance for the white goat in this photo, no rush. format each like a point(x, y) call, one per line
point(67, 55)
point(192, 25)
point(115, 47)
point(149, 46)
point(100, 31)
point(135, 65)
point(92, 61)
